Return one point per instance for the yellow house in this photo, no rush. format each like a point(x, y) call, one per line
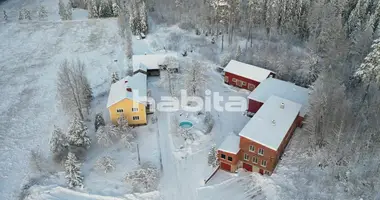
point(128, 97)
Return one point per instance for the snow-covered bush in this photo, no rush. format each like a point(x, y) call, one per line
point(212, 158)
point(58, 145)
point(38, 162)
point(73, 173)
point(186, 134)
point(42, 12)
point(27, 14)
point(209, 122)
point(69, 11)
point(77, 134)
point(62, 10)
point(144, 179)
point(20, 15)
point(105, 163)
point(79, 4)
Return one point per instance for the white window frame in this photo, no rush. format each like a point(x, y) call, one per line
point(246, 157)
point(134, 118)
point(263, 163)
point(120, 110)
point(255, 160)
point(234, 80)
point(260, 151)
point(135, 109)
point(221, 156)
point(253, 147)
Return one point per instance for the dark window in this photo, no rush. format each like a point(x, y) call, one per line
point(223, 156)
point(229, 158)
point(119, 110)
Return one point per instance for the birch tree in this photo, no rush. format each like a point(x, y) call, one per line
point(74, 92)
point(195, 79)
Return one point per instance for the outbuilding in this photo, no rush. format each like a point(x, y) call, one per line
point(245, 76)
point(228, 153)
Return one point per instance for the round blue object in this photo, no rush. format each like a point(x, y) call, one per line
point(186, 124)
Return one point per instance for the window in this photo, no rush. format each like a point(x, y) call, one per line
point(264, 163)
point(233, 79)
point(266, 173)
point(261, 152)
point(246, 157)
point(252, 148)
point(135, 109)
point(223, 156)
point(229, 158)
point(254, 160)
point(226, 79)
point(244, 83)
point(136, 117)
point(119, 110)
point(251, 86)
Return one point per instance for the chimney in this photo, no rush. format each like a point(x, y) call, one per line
point(274, 122)
point(129, 89)
point(282, 106)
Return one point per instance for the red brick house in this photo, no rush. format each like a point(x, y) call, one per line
point(228, 153)
point(244, 75)
point(275, 87)
point(264, 138)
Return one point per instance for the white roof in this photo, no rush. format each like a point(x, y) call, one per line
point(283, 89)
point(230, 144)
point(150, 61)
point(270, 124)
point(137, 83)
point(247, 71)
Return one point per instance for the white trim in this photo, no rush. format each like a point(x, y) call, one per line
point(258, 152)
point(265, 163)
point(247, 156)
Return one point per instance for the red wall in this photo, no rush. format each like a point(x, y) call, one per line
point(235, 158)
point(254, 106)
point(230, 76)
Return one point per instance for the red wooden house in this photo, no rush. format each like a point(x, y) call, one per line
point(264, 138)
point(244, 75)
point(283, 89)
point(228, 153)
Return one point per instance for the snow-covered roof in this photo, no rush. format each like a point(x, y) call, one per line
point(150, 61)
point(137, 86)
point(247, 71)
point(270, 124)
point(230, 144)
point(283, 89)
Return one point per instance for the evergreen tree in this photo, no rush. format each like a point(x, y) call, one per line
point(212, 157)
point(115, 77)
point(5, 15)
point(115, 9)
point(143, 18)
point(58, 144)
point(99, 121)
point(73, 173)
point(77, 135)
point(27, 14)
point(42, 13)
point(20, 15)
point(69, 11)
point(62, 10)
point(103, 136)
point(106, 9)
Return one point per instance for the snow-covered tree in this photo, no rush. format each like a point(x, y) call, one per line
point(168, 80)
point(212, 158)
point(5, 15)
point(144, 179)
point(143, 18)
point(122, 23)
point(369, 70)
point(69, 12)
point(105, 163)
point(134, 18)
point(99, 121)
point(27, 14)
point(42, 12)
point(74, 92)
point(105, 9)
point(115, 9)
point(73, 173)
point(238, 53)
point(58, 144)
point(103, 136)
point(20, 15)
point(128, 41)
point(195, 79)
point(77, 134)
point(115, 77)
point(62, 10)
point(186, 134)
point(209, 122)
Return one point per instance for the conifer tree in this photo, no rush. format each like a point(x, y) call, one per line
point(73, 173)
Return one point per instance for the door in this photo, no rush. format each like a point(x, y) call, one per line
point(261, 171)
point(225, 166)
point(247, 167)
point(251, 86)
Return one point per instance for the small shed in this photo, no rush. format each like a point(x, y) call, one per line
point(228, 153)
point(244, 75)
point(152, 64)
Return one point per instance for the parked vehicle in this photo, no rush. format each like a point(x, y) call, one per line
point(142, 35)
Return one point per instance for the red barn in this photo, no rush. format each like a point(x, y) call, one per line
point(283, 89)
point(264, 138)
point(244, 75)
